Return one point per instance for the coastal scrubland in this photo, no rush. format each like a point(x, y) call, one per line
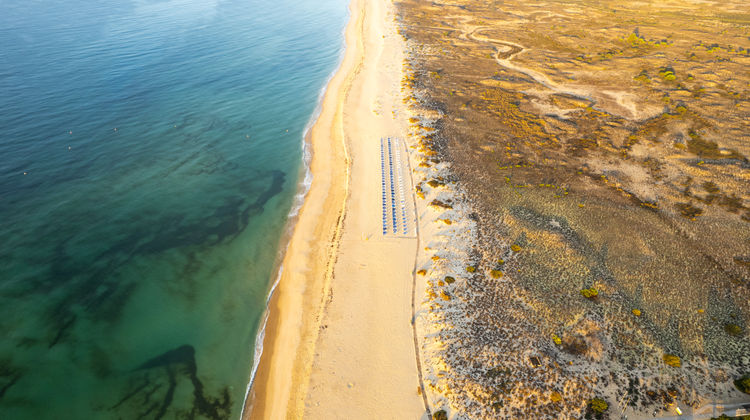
point(598, 153)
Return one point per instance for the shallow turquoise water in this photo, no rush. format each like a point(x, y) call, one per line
point(146, 174)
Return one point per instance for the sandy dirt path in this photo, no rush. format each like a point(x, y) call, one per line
point(621, 103)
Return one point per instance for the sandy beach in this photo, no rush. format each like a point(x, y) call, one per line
point(339, 336)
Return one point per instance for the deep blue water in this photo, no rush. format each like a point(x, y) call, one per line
point(150, 152)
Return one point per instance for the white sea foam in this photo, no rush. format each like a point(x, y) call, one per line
point(303, 187)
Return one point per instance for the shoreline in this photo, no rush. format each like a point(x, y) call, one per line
point(364, 356)
point(344, 301)
point(274, 390)
point(304, 183)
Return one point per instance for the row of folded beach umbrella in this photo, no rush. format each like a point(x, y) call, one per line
point(399, 178)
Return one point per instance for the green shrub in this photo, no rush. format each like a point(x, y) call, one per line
point(441, 204)
point(589, 293)
point(725, 417)
point(733, 329)
point(672, 360)
point(708, 149)
point(471, 269)
point(743, 384)
point(667, 73)
point(449, 279)
point(598, 405)
point(688, 210)
point(440, 415)
point(643, 77)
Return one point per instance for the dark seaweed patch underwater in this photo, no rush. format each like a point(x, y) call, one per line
point(151, 152)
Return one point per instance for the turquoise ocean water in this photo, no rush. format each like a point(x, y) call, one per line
point(150, 153)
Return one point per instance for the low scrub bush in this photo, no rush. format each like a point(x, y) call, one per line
point(672, 360)
point(743, 384)
point(589, 293)
point(555, 397)
point(441, 204)
point(597, 406)
point(733, 329)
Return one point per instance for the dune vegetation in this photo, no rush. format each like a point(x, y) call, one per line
point(602, 149)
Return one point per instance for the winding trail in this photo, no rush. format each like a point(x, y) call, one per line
point(508, 50)
point(511, 50)
point(417, 352)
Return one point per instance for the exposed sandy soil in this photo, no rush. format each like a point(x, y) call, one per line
point(582, 145)
point(339, 342)
point(365, 361)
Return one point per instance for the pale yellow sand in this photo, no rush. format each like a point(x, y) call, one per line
point(339, 341)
